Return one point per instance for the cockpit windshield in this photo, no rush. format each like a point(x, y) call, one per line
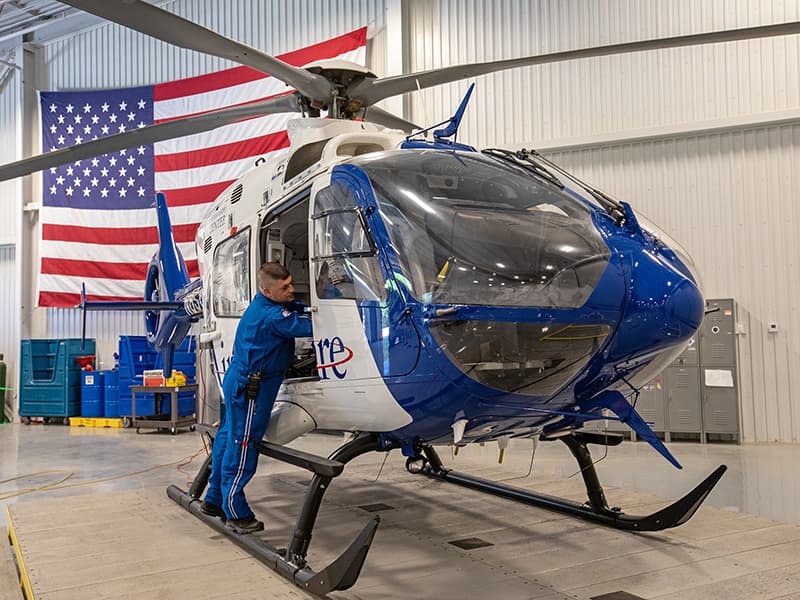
point(472, 229)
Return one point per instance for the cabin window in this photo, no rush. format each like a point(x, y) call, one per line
point(345, 260)
point(231, 281)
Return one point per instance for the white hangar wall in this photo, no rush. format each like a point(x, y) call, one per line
point(702, 139)
point(705, 140)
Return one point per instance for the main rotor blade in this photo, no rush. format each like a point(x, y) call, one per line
point(169, 27)
point(148, 135)
point(370, 91)
point(375, 114)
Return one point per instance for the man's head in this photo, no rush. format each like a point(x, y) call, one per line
point(275, 282)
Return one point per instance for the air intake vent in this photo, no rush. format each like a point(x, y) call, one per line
point(207, 244)
point(237, 194)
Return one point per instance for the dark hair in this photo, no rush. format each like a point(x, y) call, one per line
point(273, 271)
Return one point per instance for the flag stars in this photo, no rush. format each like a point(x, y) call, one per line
point(142, 104)
point(140, 125)
point(140, 149)
point(140, 171)
point(112, 118)
point(123, 192)
point(131, 116)
point(53, 107)
point(131, 160)
point(86, 192)
point(112, 182)
point(87, 108)
point(95, 119)
point(123, 152)
point(53, 128)
point(123, 105)
point(104, 107)
point(95, 162)
point(78, 140)
point(121, 128)
point(70, 108)
point(86, 172)
point(113, 161)
point(70, 171)
point(53, 170)
point(76, 182)
point(104, 129)
point(53, 189)
point(123, 171)
point(104, 193)
point(140, 192)
point(70, 129)
point(61, 139)
point(69, 191)
point(87, 130)
point(61, 119)
point(60, 180)
point(104, 172)
point(131, 181)
point(94, 181)
point(78, 118)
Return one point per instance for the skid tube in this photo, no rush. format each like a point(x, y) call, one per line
point(291, 563)
point(596, 508)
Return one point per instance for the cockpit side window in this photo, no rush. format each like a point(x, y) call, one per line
point(231, 280)
point(345, 259)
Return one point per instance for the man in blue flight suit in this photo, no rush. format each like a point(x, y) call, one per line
point(262, 351)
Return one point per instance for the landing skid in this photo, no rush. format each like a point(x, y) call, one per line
point(596, 508)
point(291, 563)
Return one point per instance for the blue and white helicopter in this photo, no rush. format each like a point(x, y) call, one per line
point(457, 295)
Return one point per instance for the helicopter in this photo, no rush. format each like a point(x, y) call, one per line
point(457, 296)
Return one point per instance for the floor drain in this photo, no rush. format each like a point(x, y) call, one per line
point(379, 506)
point(617, 596)
point(471, 543)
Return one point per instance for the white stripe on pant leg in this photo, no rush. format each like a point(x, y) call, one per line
point(242, 459)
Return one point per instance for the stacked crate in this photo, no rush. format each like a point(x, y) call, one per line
point(50, 378)
point(136, 356)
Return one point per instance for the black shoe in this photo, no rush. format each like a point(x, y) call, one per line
point(212, 510)
point(246, 525)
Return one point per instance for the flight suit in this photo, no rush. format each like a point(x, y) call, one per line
point(264, 344)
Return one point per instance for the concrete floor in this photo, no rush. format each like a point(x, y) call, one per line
point(70, 531)
point(761, 479)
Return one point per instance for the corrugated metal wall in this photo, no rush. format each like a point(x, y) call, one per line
point(731, 200)
point(9, 107)
point(9, 321)
point(112, 56)
point(613, 94)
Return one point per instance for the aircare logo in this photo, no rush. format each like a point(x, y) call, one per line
point(331, 355)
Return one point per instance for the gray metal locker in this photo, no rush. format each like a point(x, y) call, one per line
point(684, 412)
point(651, 404)
point(718, 335)
point(718, 369)
point(689, 356)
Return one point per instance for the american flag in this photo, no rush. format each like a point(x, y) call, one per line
point(98, 220)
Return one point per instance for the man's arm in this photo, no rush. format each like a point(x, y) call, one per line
point(292, 324)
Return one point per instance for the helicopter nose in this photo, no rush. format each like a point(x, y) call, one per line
point(684, 309)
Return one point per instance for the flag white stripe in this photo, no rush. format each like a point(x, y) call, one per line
point(134, 253)
point(235, 94)
point(185, 178)
point(122, 219)
point(227, 134)
point(94, 286)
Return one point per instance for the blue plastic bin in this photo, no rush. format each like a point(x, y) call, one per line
point(50, 379)
point(111, 394)
point(92, 394)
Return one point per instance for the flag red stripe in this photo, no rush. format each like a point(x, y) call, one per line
point(66, 299)
point(223, 153)
point(201, 194)
point(119, 236)
point(238, 75)
point(102, 270)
